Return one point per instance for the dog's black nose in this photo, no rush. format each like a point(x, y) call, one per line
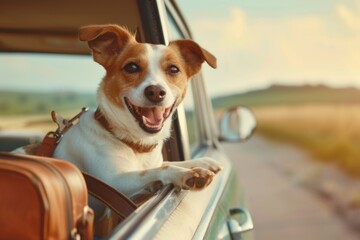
point(155, 93)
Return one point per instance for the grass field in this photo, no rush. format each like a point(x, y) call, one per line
point(28, 103)
point(41, 123)
point(329, 132)
point(322, 120)
point(290, 95)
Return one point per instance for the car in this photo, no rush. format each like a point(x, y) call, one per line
point(45, 35)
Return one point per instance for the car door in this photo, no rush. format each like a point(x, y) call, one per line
point(172, 214)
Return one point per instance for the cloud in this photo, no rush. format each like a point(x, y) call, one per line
point(294, 49)
point(215, 31)
point(235, 26)
point(350, 16)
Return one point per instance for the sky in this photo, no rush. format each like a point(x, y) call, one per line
point(257, 43)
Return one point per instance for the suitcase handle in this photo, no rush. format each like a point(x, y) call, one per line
point(108, 195)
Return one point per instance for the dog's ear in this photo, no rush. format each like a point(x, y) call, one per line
point(193, 55)
point(105, 41)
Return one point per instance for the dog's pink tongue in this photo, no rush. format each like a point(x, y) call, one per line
point(153, 115)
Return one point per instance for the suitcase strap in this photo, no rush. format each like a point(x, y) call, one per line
point(108, 195)
point(52, 139)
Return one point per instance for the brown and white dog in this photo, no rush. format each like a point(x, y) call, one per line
point(121, 143)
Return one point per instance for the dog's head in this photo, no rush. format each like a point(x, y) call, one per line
point(144, 83)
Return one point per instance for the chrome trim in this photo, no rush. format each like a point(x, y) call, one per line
point(173, 9)
point(183, 131)
point(145, 222)
point(237, 229)
point(163, 20)
point(212, 132)
point(201, 111)
point(214, 202)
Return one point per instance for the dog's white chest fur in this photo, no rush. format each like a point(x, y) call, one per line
point(90, 147)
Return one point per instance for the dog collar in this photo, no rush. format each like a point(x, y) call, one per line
point(137, 147)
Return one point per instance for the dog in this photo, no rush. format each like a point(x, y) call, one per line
point(121, 142)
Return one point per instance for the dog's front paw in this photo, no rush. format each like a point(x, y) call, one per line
point(196, 179)
point(208, 163)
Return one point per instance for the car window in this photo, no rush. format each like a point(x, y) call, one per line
point(188, 103)
point(32, 85)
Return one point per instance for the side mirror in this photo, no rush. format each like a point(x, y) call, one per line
point(237, 124)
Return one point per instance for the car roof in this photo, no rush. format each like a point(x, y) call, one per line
point(52, 26)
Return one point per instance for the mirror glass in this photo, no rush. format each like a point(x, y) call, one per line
point(237, 124)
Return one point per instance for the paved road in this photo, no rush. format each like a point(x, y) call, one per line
point(281, 207)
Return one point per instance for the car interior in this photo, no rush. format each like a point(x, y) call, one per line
point(52, 28)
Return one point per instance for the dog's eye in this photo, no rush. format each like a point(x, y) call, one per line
point(132, 68)
point(173, 70)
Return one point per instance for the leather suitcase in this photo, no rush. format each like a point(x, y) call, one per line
point(42, 198)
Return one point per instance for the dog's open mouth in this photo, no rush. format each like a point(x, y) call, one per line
point(151, 119)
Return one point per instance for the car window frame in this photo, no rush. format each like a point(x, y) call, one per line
point(204, 113)
point(161, 206)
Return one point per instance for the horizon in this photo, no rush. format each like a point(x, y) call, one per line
point(261, 88)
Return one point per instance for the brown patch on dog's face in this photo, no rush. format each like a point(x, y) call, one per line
point(118, 80)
